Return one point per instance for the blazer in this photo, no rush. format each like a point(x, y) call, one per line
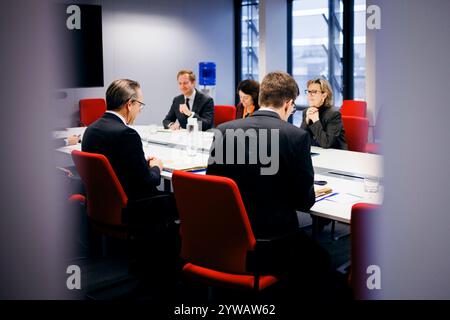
point(203, 107)
point(271, 200)
point(329, 131)
point(122, 146)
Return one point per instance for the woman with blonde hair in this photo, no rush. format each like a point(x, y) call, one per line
point(321, 120)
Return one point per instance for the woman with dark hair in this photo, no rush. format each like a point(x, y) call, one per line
point(321, 120)
point(248, 91)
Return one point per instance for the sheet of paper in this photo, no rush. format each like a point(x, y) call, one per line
point(344, 198)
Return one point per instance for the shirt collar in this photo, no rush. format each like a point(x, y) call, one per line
point(267, 109)
point(117, 114)
point(191, 98)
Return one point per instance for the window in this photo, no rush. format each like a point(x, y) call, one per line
point(318, 46)
point(249, 39)
point(359, 73)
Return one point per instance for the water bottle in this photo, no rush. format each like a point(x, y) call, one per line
point(191, 132)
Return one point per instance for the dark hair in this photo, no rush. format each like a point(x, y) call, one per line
point(276, 88)
point(119, 92)
point(250, 87)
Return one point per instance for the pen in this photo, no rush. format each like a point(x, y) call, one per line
point(331, 195)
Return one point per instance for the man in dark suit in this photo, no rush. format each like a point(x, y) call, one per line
point(111, 136)
point(150, 213)
point(191, 103)
point(275, 177)
point(271, 199)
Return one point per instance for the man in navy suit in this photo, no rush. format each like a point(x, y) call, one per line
point(271, 197)
point(191, 103)
point(150, 213)
point(111, 136)
point(275, 177)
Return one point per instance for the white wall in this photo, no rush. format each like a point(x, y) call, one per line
point(412, 84)
point(150, 41)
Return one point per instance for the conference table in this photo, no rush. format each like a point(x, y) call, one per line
point(344, 171)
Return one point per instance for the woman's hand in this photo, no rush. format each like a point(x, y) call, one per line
point(312, 114)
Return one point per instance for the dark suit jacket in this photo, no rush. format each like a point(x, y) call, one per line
point(122, 146)
point(328, 132)
point(203, 107)
point(271, 200)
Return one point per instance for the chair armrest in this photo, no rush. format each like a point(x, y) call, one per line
point(77, 198)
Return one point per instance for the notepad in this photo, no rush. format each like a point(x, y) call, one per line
point(345, 198)
point(322, 191)
point(195, 165)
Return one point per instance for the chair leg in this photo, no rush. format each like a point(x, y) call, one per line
point(333, 228)
point(256, 283)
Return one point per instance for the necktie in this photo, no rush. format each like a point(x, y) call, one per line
point(187, 103)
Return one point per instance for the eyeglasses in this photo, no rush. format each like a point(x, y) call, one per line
point(141, 104)
point(312, 92)
point(294, 106)
point(295, 110)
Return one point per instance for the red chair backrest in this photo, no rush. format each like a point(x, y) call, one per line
point(354, 108)
point(356, 131)
point(363, 247)
point(215, 232)
point(105, 195)
point(91, 110)
point(223, 114)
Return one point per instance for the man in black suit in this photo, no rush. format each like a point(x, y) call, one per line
point(150, 212)
point(111, 136)
point(271, 196)
point(191, 103)
point(275, 177)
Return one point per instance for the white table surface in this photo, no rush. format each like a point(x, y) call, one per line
point(170, 146)
point(346, 192)
point(357, 163)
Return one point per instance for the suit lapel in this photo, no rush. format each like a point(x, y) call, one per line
point(196, 101)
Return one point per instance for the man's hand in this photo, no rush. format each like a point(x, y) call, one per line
point(185, 110)
point(175, 126)
point(73, 139)
point(153, 161)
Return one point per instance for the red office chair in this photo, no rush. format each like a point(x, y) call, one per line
point(354, 108)
point(104, 194)
point(363, 251)
point(223, 114)
point(373, 148)
point(91, 110)
point(215, 232)
point(356, 131)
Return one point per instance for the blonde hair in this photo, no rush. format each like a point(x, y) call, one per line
point(190, 73)
point(324, 87)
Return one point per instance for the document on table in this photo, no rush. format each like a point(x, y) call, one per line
point(184, 165)
point(344, 198)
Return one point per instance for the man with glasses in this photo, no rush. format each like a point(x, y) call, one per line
point(149, 213)
point(111, 136)
point(271, 200)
